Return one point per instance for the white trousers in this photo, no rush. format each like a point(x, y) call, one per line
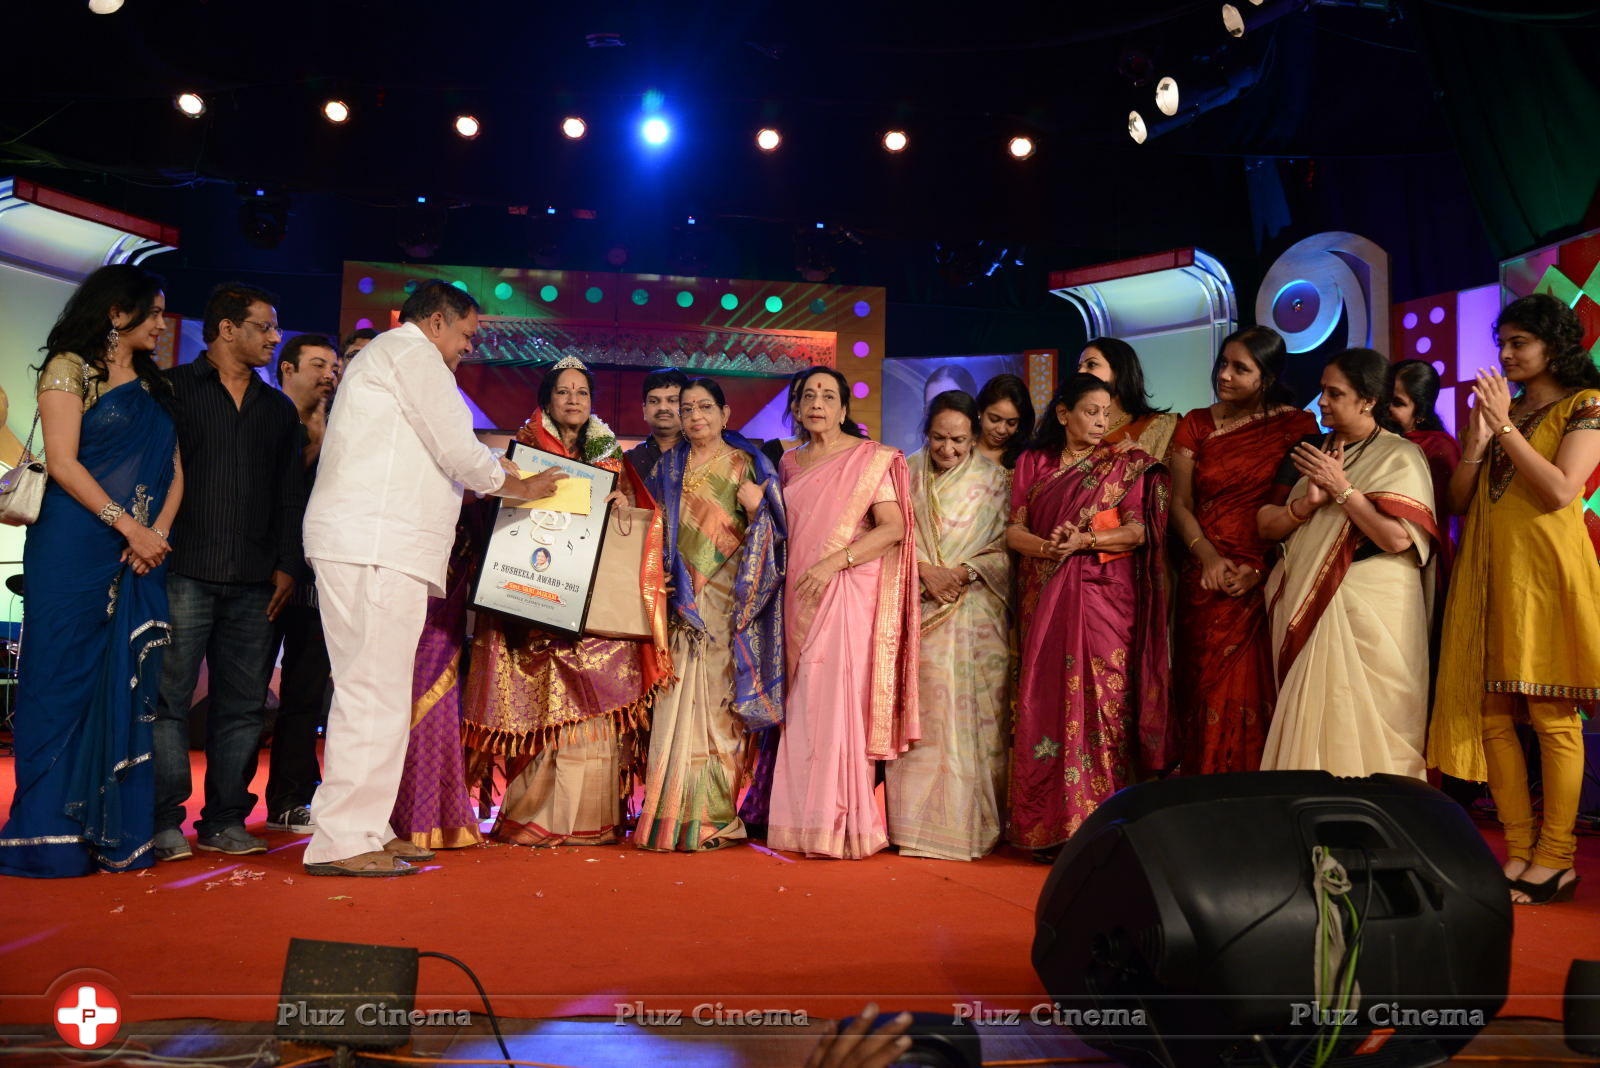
point(371, 617)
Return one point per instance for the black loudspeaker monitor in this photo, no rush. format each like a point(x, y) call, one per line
point(1178, 924)
point(346, 994)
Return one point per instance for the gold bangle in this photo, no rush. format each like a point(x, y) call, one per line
point(1479, 460)
point(849, 558)
point(1198, 538)
point(1094, 539)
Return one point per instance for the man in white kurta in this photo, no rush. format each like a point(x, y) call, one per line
point(398, 450)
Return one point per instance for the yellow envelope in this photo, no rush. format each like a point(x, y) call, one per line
point(571, 495)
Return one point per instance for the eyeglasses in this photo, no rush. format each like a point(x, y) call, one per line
point(704, 408)
point(265, 328)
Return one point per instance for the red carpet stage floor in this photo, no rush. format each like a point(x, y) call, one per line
point(579, 931)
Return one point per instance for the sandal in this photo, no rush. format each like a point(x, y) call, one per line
point(1549, 892)
point(404, 847)
point(364, 866)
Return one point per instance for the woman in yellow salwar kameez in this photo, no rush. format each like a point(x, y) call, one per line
point(1522, 624)
point(725, 552)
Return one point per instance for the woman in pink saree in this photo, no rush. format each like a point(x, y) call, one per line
point(851, 631)
point(1089, 521)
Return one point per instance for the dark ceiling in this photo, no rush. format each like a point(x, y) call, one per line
point(1339, 90)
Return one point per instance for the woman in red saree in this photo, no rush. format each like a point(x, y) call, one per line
point(852, 627)
point(1224, 458)
point(1089, 521)
point(568, 715)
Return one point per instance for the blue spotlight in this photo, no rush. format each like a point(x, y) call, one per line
point(655, 131)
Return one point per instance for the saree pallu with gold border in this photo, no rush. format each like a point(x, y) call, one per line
point(1222, 656)
point(1350, 626)
point(1092, 708)
point(852, 656)
point(433, 808)
point(567, 715)
point(946, 793)
point(727, 646)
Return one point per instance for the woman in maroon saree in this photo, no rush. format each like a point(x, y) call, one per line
point(1413, 389)
point(1088, 520)
point(1224, 458)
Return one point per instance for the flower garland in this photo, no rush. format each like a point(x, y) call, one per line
point(599, 441)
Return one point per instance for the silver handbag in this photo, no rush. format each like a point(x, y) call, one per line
point(22, 487)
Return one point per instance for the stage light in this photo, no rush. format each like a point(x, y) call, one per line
point(1167, 96)
point(467, 127)
point(191, 104)
point(1239, 20)
point(1200, 95)
point(336, 112)
point(1020, 147)
point(574, 128)
point(1136, 128)
point(655, 131)
point(768, 139)
point(896, 141)
point(105, 7)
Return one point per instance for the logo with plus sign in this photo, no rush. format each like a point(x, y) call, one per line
point(87, 1014)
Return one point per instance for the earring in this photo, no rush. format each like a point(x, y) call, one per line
point(113, 339)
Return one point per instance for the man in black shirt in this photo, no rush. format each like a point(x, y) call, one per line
point(661, 390)
point(235, 548)
point(307, 369)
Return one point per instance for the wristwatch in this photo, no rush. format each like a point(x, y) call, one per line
point(972, 573)
point(1344, 495)
point(1507, 429)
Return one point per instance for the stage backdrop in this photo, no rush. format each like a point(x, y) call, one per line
point(909, 383)
point(749, 335)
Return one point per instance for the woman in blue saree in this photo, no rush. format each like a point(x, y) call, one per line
point(725, 551)
point(95, 614)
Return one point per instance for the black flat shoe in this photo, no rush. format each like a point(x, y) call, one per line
point(1551, 891)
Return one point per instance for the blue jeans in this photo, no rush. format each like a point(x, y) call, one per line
point(226, 625)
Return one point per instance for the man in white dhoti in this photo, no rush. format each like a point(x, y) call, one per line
point(379, 527)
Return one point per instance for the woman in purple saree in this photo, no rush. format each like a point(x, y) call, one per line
point(1089, 521)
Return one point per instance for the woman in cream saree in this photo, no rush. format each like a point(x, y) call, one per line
point(944, 794)
point(1350, 600)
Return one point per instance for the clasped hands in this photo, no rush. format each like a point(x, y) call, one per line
point(1324, 470)
point(943, 584)
point(1223, 575)
point(146, 549)
point(1491, 411)
point(1065, 540)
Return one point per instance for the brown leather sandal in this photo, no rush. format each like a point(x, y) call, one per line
point(375, 865)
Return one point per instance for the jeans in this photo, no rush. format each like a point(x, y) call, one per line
point(226, 625)
point(302, 693)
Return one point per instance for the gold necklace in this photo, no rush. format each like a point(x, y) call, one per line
point(696, 477)
point(1071, 456)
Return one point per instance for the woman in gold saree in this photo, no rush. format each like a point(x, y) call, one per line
point(566, 714)
point(1349, 601)
point(944, 794)
point(725, 549)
